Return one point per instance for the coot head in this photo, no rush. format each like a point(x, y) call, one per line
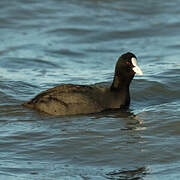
point(126, 68)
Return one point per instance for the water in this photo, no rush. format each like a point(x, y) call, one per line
point(43, 44)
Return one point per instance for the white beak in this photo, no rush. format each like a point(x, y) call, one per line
point(136, 68)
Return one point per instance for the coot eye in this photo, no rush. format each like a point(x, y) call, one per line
point(128, 63)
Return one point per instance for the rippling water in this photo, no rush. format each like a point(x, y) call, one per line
point(43, 44)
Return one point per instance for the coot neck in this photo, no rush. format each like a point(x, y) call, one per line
point(120, 84)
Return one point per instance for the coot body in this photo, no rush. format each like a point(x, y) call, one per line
point(70, 99)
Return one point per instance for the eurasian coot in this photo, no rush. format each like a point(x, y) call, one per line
point(70, 99)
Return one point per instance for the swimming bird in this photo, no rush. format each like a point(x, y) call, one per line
point(71, 99)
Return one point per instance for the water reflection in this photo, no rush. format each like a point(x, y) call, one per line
point(127, 117)
point(131, 174)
